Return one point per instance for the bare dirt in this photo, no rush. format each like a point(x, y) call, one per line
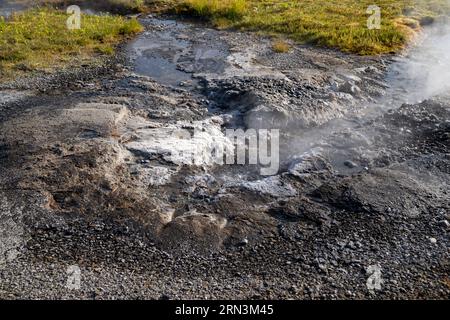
point(91, 175)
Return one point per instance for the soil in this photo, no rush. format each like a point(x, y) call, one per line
point(92, 175)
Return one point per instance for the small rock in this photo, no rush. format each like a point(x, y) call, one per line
point(350, 164)
point(323, 268)
point(433, 240)
point(444, 223)
point(349, 87)
point(426, 21)
point(244, 242)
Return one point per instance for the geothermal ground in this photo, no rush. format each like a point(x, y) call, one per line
point(94, 173)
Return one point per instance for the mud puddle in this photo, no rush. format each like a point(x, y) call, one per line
point(174, 53)
point(9, 7)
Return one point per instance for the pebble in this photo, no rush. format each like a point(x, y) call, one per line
point(444, 223)
point(350, 164)
point(244, 242)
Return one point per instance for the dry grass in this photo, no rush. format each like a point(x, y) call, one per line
point(280, 46)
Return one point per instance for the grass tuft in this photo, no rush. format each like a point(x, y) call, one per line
point(280, 46)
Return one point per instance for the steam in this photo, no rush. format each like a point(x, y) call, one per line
point(422, 73)
point(425, 71)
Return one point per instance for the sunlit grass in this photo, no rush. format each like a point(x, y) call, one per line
point(39, 39)
point(339, 24)
point(216, 9)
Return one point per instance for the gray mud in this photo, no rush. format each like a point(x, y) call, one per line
point(93, 175)
point(9, 7)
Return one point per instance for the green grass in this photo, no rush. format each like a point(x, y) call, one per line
point(38, 39)
point(229, 9)
point(339, 24)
